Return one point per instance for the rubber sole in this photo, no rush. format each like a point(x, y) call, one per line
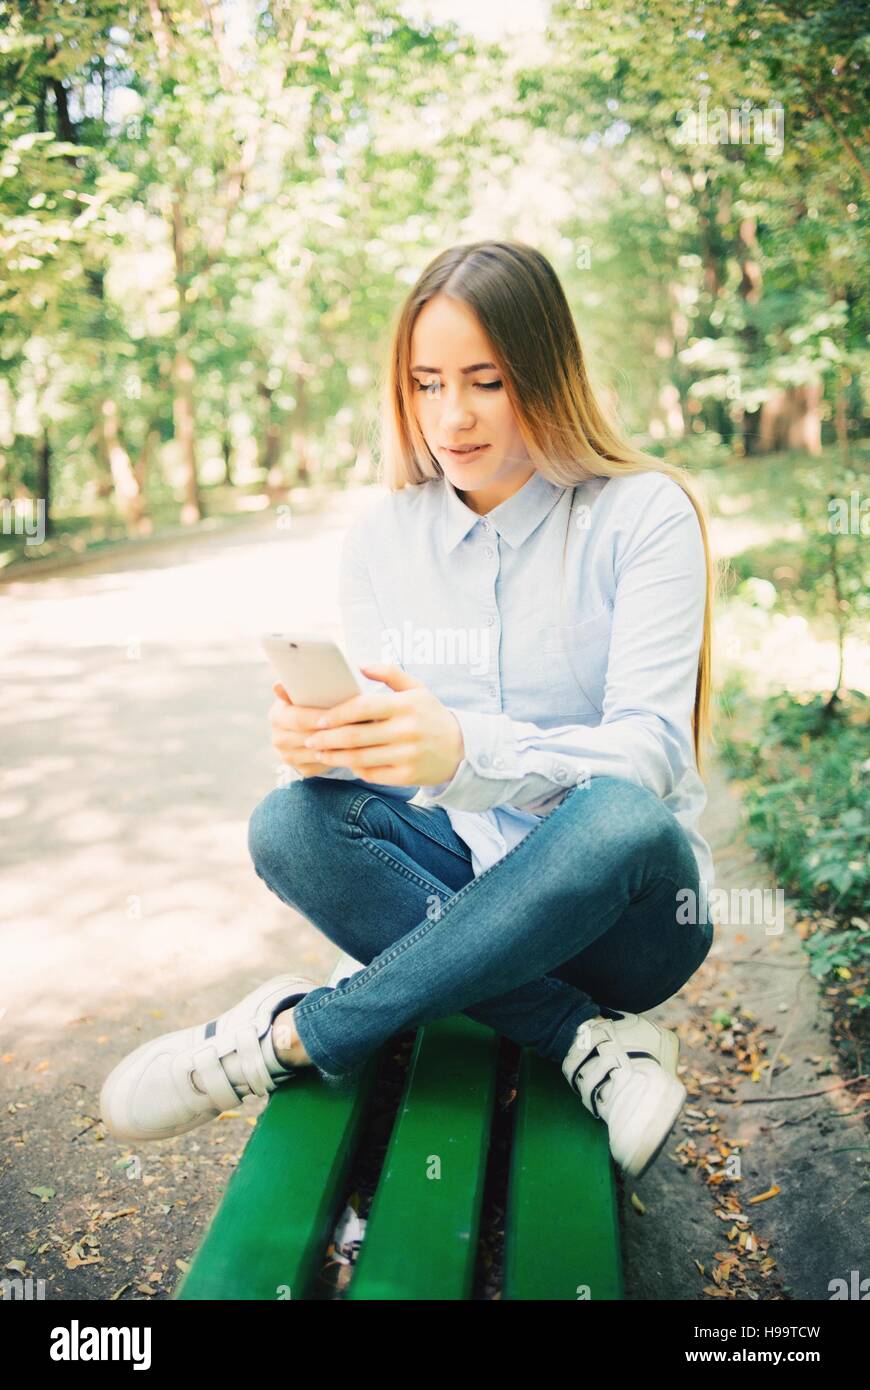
point(643, 1156)
point(117, 1094)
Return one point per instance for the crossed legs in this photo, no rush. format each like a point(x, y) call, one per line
point(578, 918)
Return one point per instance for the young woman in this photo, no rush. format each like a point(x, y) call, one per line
point(504, 822)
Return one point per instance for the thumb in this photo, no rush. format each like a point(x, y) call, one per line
point(393, 676)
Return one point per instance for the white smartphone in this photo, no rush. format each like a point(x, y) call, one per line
point(313, 670)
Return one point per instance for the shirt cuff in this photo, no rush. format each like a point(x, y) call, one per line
point(489, 754)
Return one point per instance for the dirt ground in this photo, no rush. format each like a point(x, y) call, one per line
point(134, 721)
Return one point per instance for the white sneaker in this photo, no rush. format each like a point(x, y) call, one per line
point(625, 1072)
point(151, 1094)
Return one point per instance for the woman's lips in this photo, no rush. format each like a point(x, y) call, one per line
point(463, 454)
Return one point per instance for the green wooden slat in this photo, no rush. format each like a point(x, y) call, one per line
point(280, 1205)
point(421, 1238)
point(561, 1227)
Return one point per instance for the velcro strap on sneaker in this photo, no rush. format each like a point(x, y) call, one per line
point(590, 1077)
point(593, 1099)
point(252, 1061)
point(218, 1086)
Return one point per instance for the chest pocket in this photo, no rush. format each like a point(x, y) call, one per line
point(574, 658)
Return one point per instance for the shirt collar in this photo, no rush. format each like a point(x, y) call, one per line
point(514, 519)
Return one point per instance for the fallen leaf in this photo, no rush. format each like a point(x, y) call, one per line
point(113, 1215)
point(763, 1196)
point(76, 1256)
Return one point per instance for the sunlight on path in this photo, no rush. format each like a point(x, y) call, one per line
point(134, 714)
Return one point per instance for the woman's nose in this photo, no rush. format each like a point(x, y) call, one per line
point(454, 413)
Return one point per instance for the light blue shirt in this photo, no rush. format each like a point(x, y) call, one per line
point(563, 629)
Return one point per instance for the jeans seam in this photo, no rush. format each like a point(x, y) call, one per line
point(397, 866)
point(363, 977)
point(356, 807)
point(426, 825)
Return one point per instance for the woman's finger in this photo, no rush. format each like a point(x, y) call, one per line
point(391, 754)
point(360, 707)
point(300, 719)
point(390, 775)
point(379, 731)
point(299, 757)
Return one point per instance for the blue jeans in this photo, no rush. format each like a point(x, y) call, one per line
point(577, 919)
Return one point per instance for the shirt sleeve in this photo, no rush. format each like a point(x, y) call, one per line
point(645, 732)
point(364, 631)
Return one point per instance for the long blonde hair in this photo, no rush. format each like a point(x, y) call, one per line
point(521, 307)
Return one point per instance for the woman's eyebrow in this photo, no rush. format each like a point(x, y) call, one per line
point(477, 367)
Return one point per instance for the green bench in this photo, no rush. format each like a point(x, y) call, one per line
point(268, 1237)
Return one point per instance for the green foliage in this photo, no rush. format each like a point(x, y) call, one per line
point(206, 228)
point(807, 792)
point(825, 574)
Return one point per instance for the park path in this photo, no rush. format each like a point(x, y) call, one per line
point(136, 743)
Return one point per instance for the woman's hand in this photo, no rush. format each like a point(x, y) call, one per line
point(412, 739)
point(291, 725)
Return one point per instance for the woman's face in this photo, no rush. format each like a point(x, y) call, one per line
point(459, 400)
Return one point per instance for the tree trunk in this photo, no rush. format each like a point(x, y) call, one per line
point(841, 413)
point(227, 452)
point(185, 434)
point(270, 448)
point(299, 438)
point(183, 413)
point(791, 419)
point(128, 492)
point(44, 479)
point(142, 466)
point(750, 291)
point(712, 244)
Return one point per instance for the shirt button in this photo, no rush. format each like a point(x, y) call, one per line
point(488, 552)
point(492, 690)
point(560, 774)
point(484, 760)
point(498, 762)
point(488, 622)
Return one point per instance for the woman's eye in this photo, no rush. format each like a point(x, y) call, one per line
point(433, 388)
